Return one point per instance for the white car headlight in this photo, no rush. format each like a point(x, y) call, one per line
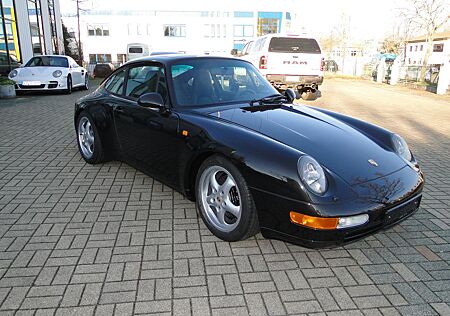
point(312, 174)
point(401, 147)
point(13, 73)
point(57, 73)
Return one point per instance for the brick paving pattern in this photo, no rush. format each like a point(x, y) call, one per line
point(77, 239)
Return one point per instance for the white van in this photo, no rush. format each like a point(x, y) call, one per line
point(136, 50)
point(288, 61)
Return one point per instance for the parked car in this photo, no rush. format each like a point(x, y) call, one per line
point(330, 65)
point(103, 70)
point(216, 130)
point(50, 72)
point(288, 61)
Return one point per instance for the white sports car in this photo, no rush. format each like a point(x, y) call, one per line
point(50, 72)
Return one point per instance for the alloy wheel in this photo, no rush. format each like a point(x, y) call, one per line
point(220, 198)
point(86, 137)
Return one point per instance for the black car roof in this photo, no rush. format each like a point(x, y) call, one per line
point(170, 58)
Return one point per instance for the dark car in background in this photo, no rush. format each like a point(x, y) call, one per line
point(217, 131)
point(103, 70)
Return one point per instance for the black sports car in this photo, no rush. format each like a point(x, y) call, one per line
point(214, 129)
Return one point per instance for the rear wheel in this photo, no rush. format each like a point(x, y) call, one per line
point(86, 82)
point(224, 200)
point(309, 95)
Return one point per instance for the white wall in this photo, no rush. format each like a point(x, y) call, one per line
point(195, 40)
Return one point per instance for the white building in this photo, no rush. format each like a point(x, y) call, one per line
point(28, 28)
point(210, 27)
point(416, 49)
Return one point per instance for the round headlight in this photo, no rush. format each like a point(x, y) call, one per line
point(401, 147)
point(311, 173)
point(13, 73)
point(57, 73)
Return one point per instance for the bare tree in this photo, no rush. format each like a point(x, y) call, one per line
point(79, 4)
point(426, 17)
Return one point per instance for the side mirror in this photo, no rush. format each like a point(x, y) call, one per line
point(151, 100)
point(291, 95)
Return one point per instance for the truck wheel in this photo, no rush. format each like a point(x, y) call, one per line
point(309, 95)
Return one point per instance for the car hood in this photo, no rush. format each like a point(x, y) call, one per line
point(337, 146)
point(37, 72)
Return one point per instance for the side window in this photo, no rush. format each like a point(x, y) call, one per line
point(115, 83)
point(146, 79)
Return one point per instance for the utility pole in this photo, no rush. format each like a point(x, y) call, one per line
point(80, 58)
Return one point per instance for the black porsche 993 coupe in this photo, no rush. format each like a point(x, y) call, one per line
point(215, 129)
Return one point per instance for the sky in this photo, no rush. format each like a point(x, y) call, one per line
point(368, 19)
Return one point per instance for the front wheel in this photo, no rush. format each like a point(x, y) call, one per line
point(88, 139)
point(69, 85)
point(224, 200)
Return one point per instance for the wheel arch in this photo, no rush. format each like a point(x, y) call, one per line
point(191, 170)
point(106, 130)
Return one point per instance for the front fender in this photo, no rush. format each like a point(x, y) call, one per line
point(266, 164)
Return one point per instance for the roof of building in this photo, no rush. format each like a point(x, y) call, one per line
point(437, 37)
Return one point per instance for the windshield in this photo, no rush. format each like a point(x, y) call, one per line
point(294, 45)
point(48, 61)
point(213, 81)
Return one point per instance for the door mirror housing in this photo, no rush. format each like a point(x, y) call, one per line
point(151, 100)
point(291, 95)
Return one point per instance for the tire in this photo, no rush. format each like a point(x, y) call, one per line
point(309, 95)
point(69, 85)
point(226, 205)
point(86, 82)
point(88, 139)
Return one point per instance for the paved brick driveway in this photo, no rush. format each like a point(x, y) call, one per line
point(81, 239)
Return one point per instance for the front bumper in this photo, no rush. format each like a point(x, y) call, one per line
point(301, 81)
point(378, 220)
point(395, 205)
point(43, 85)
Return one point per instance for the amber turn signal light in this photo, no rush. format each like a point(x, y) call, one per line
point(314, 222)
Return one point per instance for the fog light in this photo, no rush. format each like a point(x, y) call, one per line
point(351, 221)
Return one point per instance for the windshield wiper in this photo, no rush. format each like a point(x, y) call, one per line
point(274, 98)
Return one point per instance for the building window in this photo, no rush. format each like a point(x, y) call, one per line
point(353, 53)
point(121, 58)
point(416, 47)
point(37, 33)
point(149, 29)
point(243, 30)
point(99, 58)
point(421, 47)
point(243, 14)
point(410, 48)
point(98, 30)
point(438, 48)
point(175, 30)
point(214, 30)
point(9, 38)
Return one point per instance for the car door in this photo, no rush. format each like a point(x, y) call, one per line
point(148, 137)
